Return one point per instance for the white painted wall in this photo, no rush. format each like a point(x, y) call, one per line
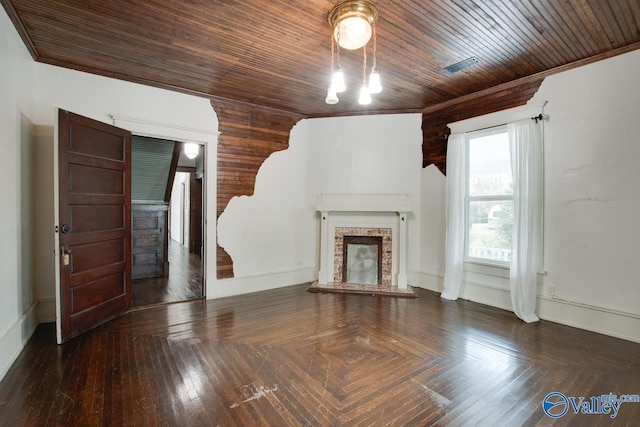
point(592, 201)
point(269, 235)
point(272, 236)
point(592, 192)
point(17, 309)
point(42, 197)
point(368, 154)
point(432, 223)
point(179, 209)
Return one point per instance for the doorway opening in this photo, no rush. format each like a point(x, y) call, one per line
point(167, 235)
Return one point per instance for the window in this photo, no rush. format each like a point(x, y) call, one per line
point(489, 197)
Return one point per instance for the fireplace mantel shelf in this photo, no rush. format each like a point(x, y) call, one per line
point(400, 203)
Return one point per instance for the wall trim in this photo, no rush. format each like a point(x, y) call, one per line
point(602, 320)
point(591, 307)
point(260, 282)
point(15, 338)
point(153, 129)
point(426, 280)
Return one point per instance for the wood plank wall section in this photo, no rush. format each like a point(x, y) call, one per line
point(436, 118)
point(249, 134)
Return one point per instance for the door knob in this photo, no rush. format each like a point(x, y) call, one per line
point(64, 229)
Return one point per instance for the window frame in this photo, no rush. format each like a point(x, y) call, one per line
point(484, 198)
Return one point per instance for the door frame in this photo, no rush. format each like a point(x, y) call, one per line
point(56, 222)
point(189, 220)
point(143, 127)
point(208, 141)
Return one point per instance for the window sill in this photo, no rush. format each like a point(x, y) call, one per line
point(486, 263)
point(473, 265)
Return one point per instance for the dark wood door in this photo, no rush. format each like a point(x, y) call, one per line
point(95, 223)
point(195, 215)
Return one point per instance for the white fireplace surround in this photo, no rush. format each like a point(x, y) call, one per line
point(364, 211)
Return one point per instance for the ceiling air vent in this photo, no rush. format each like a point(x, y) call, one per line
point(459, 66)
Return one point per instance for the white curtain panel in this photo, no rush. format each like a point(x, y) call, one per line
point(456, 192)
point(525, 142)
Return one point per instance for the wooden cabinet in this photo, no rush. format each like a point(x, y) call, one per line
point(149, 240)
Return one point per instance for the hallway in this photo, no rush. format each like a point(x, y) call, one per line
point(184, 282)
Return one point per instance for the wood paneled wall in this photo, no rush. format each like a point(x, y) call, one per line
point(435, 119)
point(249, 134)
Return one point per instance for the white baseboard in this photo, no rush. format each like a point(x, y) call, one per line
point(426, 280)
point(603, 320)
point(46, 310)
point(259, 282)
point(14, 339)
point(487, 294)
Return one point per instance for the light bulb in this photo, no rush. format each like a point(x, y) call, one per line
point(338, 81)
point(354, 31)
point(191, 150)
point(332, 96)
point(374, 83)
point(365, 96)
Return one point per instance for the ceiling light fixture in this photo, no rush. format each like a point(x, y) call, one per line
point(191, 150)
point(353, 24)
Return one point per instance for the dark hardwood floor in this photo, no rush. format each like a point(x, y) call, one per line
point(288, 357)
point(183, 284)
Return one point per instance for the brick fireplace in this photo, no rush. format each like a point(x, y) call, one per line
point(360, 238)
point(345, 217)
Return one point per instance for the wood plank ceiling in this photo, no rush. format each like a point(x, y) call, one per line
point(276, 53)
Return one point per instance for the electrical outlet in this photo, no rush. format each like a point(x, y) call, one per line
point(552, 291)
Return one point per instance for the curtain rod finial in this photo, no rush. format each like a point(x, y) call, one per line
point(539, 117)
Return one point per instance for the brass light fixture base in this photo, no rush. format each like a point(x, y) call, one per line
point(352, 8)
point(342, 16)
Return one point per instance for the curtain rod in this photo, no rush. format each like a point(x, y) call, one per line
point(537, 118)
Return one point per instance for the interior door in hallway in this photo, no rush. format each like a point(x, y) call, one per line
point(94, 226)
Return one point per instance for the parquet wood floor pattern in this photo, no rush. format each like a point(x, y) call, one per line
point(288, 357)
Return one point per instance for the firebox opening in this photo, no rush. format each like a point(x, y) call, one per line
point(362, 260)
